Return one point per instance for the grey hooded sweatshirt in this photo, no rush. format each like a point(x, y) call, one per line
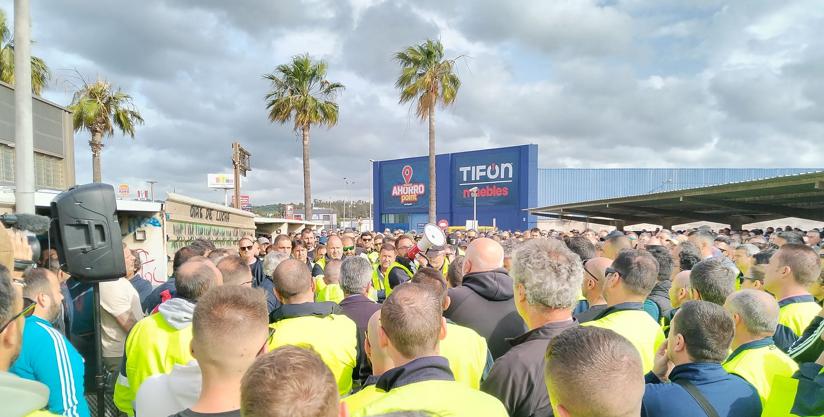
point(20, 397)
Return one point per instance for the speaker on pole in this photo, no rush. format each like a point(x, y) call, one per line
point(90, 249)
point(87, 233)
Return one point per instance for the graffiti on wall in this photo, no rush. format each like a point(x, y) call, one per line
point(148, 267)
point(133, 223)
point(185, 233)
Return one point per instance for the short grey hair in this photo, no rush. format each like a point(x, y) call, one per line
point(749, 248)
point(272, 260)
point(510, 246)
point(355, 275)
point(550, 273)
point(758, 313)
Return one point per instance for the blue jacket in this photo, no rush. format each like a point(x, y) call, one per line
point(47, 357)
point(730, 395)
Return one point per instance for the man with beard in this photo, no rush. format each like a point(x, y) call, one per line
point(46, 355)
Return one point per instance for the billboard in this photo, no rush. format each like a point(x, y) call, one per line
point(220, 180)
point(405, 184)
point(496, 174)
point(245, 205)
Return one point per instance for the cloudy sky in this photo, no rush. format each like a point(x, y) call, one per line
point(621, 83)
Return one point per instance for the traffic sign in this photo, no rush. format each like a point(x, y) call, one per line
point(443, 224)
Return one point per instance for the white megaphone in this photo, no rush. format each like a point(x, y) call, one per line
point(432, 236)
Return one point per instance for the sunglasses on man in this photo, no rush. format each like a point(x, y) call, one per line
point(245, 248)
point(584, 264)
point(609, 271)
point(348, 248)
point(28, 310)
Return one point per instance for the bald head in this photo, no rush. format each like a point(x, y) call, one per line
point(334, 247)
point(293, 281)
point(381, 362)
point(754, 311)
point(483, 255)
point(598, 267)
point(331, 273)
point(195, 277)
point(678, 291)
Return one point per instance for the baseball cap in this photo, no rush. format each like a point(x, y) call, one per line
point(434, 251)
point(463, 244)
point(263, 240)
point(323, 239)
point(611, 235)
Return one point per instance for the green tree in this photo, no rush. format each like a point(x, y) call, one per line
point(300, 91)
point(40, 73)
point(427, 80)
point(100, 109)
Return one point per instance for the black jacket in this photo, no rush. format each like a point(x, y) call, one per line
point(484, 303)
point(517, 378)
point(398, 276)
point(660, 296)
point(360, 309)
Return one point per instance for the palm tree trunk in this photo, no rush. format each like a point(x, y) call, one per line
point(307, 186)
point(97, 146)
point(432, 206)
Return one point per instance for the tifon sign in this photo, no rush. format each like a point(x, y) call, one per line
point(495, 174)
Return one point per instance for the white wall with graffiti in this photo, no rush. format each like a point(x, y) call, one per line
point(144, 232)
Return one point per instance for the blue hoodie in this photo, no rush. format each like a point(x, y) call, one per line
point(47, 357)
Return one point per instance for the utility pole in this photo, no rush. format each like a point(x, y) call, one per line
point(23, 129)
point(152, 183)
point(241, 160)
point(345, 183)
point(371, 178)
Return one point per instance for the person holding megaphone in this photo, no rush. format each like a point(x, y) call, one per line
point(407, 251)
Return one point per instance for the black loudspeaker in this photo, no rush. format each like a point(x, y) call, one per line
point(87, 234)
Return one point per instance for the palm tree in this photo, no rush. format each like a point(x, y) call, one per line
point(100, 109)
point(427, 79)
point(301, 91)
point(40, 73)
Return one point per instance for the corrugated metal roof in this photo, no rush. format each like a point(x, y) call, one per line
point(570, 185)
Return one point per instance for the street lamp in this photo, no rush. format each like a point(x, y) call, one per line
point(474, 193)
point(344, 201)
point(155, 182)
point(371, 178)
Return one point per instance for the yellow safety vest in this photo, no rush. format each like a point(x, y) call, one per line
point(638, 327)
point(794, 396)
point(759, 362)
point(444, 398)
point(466, 351)
point(362, 398)
point(331, 292)
point(798, 315)
point(334, 338)
point(153, 347)
point(386, 276)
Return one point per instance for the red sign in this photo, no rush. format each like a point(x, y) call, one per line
point(244, 203)
point(443, 224)
point(290, 211)
point(408, 192)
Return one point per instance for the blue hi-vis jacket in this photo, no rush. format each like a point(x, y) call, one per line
point(801, 395)
point(47, 357)
point(427, 384)
point(795, 315)
point(759, 362)
point(730, 395)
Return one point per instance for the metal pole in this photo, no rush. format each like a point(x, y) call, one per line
point(475, 211)
point(23, 129)
point(100, 377)
point(152, 184)
point(344, 203)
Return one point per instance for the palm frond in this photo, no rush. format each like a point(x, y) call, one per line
point(426, 78)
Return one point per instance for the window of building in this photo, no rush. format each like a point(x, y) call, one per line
point(6, 163)
point(48, 171)
point(395, 218)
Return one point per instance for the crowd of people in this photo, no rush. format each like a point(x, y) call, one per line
point(493, 323)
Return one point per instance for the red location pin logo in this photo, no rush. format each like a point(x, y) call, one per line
point(407, 174)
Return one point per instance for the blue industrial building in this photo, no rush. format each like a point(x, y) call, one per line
point(510, 181)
